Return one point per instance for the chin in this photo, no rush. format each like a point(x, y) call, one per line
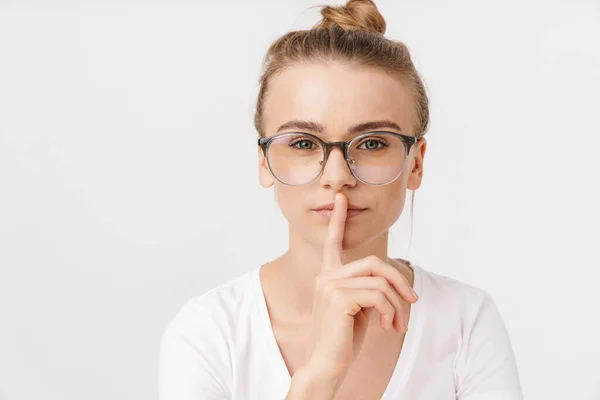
point(353, 241)
point(356, 234)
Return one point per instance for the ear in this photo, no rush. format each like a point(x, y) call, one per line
point(264, 174)
point(416, 175)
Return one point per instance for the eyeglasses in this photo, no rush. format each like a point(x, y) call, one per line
point(375, 158)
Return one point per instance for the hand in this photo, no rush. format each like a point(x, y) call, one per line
point(345, 296)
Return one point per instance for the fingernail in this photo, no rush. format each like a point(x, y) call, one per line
point(416, 296)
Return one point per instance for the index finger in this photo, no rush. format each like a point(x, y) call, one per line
point(332, 249)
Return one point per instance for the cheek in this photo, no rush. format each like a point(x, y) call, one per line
point(289, 201)
point(391, 205)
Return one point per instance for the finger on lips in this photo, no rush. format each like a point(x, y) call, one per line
point(332, 250)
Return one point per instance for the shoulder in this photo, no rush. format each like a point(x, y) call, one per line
point(199, 343)
point(449, 295)
point(467, 319)
point(461, 311)
point(218, 307)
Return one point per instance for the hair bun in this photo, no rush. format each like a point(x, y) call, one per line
point(356, 15)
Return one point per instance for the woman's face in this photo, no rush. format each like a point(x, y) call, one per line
point(338, 97)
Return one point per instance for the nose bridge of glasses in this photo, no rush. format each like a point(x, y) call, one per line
point(329, 146)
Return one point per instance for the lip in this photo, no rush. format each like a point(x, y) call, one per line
point(350, 213)
point(329, 206)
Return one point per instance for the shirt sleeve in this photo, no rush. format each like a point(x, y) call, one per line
point(193, 357)
point(486, 368)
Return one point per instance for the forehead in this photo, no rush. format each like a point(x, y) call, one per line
point(337, 96)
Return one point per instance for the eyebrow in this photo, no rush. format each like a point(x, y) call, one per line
point(353, 130)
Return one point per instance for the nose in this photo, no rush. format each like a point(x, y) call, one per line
point(336, 174)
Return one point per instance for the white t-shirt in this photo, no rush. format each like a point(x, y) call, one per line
point(220, 345)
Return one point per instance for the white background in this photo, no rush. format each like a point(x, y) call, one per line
point(128, 178)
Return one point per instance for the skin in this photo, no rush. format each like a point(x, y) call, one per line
point(337, 96)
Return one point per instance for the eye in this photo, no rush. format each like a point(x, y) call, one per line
point(302, 144)
point(372, 144)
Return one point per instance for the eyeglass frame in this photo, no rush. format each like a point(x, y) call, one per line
point(408, 141)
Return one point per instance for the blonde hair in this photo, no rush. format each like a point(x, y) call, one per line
point(354, 34)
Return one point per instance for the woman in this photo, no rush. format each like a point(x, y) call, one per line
point(341, 115)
